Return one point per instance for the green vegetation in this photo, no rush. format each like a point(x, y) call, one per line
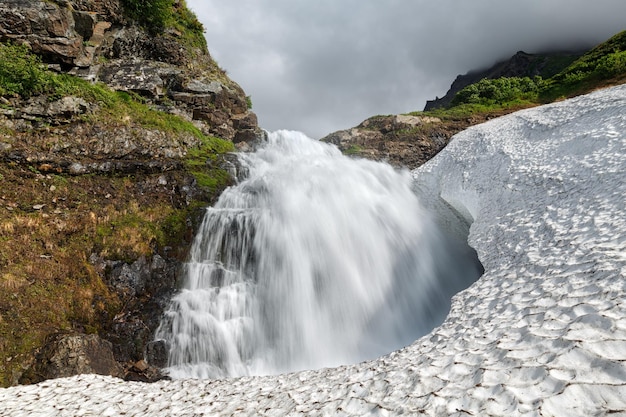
point(353, 150)
point(599, 59)
point(603, 65)
point(500, 91)
point(152, 14)
point(127, 105)
point(23, 75)
point(202, 162)
point(157, 15)
point(21, 72)
point(553, 64)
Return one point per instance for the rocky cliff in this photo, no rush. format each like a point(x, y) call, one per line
point(96, 40)
point(111, 142)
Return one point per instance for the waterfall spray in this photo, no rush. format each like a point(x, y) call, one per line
point(315, 260)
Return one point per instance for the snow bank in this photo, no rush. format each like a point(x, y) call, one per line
point(543, 332)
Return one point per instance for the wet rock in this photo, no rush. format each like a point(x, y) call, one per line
point(92, 39)
point(84, 23)
point(156, 353)
point(145, 287)
point(140, 371)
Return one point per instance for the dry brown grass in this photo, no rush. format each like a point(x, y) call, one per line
point(10, 282)
point(46, 281)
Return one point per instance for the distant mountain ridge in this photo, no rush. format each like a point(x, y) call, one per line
point(521, 64)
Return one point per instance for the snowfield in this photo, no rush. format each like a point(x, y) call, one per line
point(542, 333)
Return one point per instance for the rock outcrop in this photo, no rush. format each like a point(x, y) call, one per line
point(94, 40)
point(405, 141)
point(401, 140)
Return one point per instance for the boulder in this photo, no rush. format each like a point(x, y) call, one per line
point(66, 355)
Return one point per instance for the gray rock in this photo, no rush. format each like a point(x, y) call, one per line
point(84, 23)
point(140, 76)
point(198, 86)
point(65, 355)
point(156, 353)
point(145, 287)
point(67, 107)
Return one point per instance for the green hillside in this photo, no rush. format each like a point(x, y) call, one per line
point(602, 66)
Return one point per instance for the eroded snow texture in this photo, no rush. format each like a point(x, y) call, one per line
point(542, 333)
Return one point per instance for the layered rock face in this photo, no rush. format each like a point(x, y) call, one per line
point(401, 140)
point(94, 40)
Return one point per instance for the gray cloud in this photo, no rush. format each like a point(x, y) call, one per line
point(322, 66)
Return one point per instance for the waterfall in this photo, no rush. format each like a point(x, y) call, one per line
point(315, 260)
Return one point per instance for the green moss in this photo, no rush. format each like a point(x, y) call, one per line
point(203, 163)
point(187, 23)
point(353, 150)
point(174, 227)
point(126, 106)
point(213, 180)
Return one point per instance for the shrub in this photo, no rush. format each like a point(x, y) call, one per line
point(21, 73)
point(499, 91)
point(156, 15)
point(611, 65)
point(151, 14)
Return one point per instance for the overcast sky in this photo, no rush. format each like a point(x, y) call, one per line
point(323, 65)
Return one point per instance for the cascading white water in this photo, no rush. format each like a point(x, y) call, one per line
point(315, 260)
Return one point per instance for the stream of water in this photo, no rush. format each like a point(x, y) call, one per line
point(315, 260)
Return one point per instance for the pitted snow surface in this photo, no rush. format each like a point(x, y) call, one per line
point(542, 333)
